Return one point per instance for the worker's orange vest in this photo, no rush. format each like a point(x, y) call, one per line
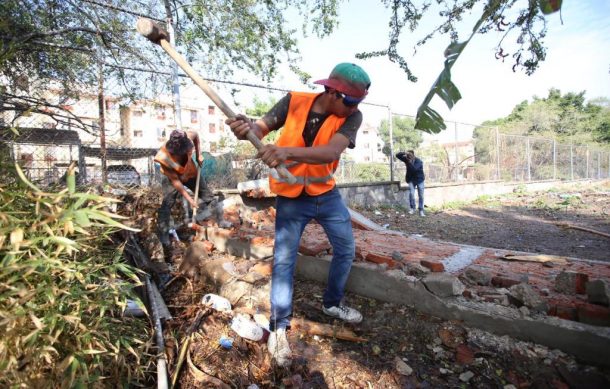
point(164, 158)
point(315, 179)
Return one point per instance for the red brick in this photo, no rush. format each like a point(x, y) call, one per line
point(504, 282)
point(564, 312)
point(434, 266)
point(594, 314)
point(380, 259)
point(263, 268)
point(464, 355)
point(467, 293)
point(581, 283)
point(313, 248)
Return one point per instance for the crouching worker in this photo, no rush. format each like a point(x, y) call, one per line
point(317, 128)
point(177, 163)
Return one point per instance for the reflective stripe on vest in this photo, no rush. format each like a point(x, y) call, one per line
point(314, 179)
point(185, 173)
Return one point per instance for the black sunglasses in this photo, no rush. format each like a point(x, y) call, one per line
point(348, 101)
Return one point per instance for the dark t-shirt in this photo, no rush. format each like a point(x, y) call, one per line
point(276, 117)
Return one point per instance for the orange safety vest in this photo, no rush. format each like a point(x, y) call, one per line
point(185, 173)
point(314, 179)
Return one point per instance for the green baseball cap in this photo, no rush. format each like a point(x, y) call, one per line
point(348, 78)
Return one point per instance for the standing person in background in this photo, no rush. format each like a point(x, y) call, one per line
point(415, 178)
point(179, 169)
point(317, 127)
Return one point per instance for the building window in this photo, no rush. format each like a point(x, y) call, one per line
point(367, 159)
point(110, 105)
point(137, 114)
point(194, 117)
point(211, 109)
point(212, 128)
point(137, 133)
point(366, 146)
point(221, 126)
point(161, 133)
point(365, 131)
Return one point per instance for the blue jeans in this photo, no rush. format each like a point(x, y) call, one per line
point(292, 215)
point(420, 195)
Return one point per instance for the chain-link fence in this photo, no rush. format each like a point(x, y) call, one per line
point(113, 140)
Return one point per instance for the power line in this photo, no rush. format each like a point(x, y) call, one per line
point(123, 10)
point(207, 79)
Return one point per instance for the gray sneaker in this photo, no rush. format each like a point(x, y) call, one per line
point(343, 312)
point(421, 213)
point(411, 211)
point(278, 347)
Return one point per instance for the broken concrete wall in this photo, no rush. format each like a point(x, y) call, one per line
point(388, 193)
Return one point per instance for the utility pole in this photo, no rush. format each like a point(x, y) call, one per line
point(174, 67)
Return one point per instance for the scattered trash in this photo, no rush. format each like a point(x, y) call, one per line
point(174, 234)
point(253, 386)
point(216, 302)
point(377, 213)
point(134, 309)
point(246, 328)
point(225, 342)
point(386, 225)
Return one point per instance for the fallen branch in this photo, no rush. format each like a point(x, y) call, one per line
point(314, 328)
point(184, 348)
point(203, 377)
point(575, 227)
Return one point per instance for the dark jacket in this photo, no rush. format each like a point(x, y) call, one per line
point(415, 169)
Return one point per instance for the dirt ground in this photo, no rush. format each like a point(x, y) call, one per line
point(522, 221)
point(403, 348)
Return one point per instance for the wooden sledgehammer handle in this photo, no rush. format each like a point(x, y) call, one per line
point(154, 33)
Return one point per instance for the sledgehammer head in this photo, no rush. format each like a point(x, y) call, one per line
point(151, 30)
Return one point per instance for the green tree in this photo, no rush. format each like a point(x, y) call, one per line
point(404, 134)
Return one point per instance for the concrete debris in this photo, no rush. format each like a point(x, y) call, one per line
point(466, 376)
point(598, 292)
point(569, 282)
point(443, 284)
point(401, 367)
point(525, 295)
point(478, 275)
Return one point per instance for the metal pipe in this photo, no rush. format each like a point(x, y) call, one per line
point(391, 143)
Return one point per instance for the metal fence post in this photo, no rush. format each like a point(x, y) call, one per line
point(528, 158)
point(102, 121)
point(455, 135)
point(554, 159)
point(587, 166)
point(391, 143)
point(571, 161)
point(497, 153)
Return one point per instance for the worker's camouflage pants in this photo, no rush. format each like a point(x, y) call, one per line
point(207, 203)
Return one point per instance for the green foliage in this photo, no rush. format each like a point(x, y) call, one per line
point(405, 136)
point(63, 287)
point(64, 42)
point(372, 172)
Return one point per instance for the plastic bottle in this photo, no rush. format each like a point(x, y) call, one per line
point(216, 302)
point(225, 342)
point(246, 328)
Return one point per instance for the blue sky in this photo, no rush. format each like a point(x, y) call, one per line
point(578, 58)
